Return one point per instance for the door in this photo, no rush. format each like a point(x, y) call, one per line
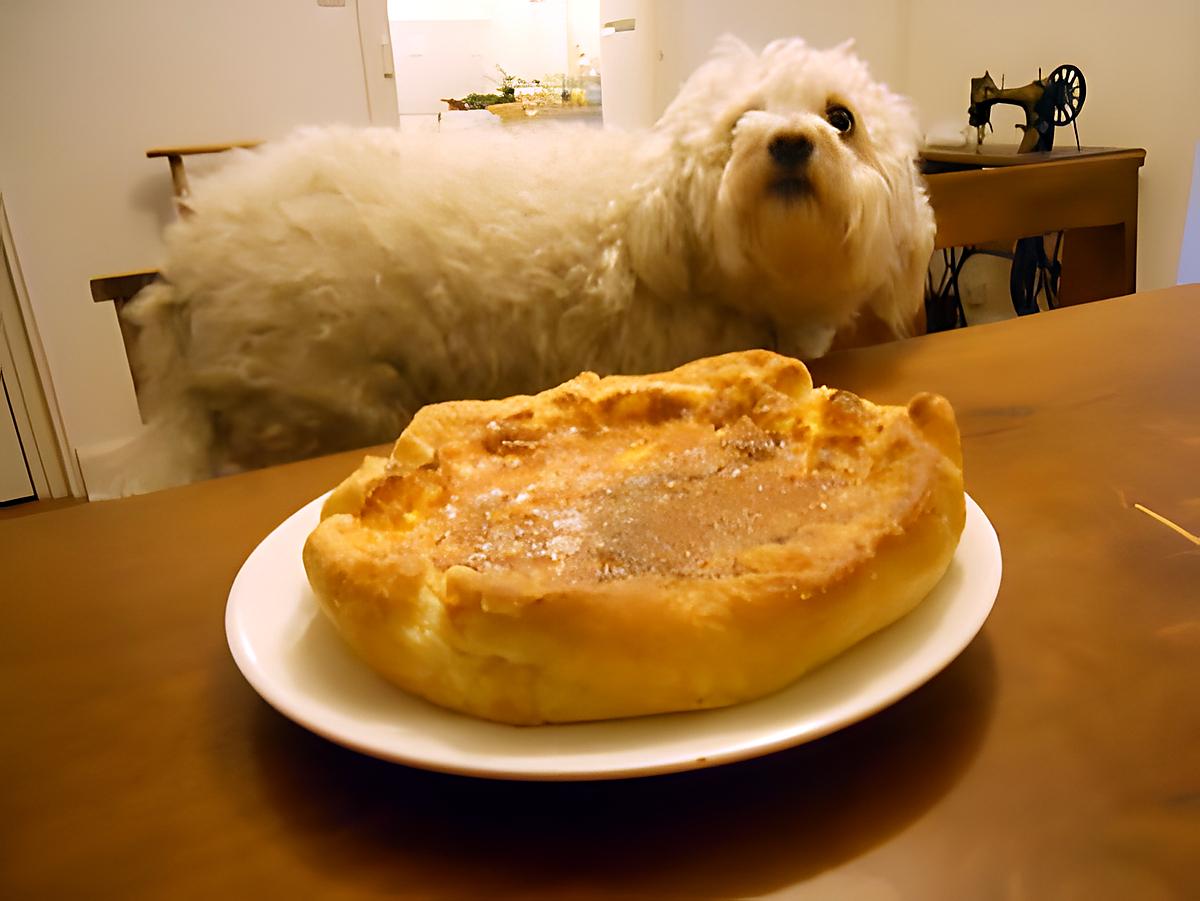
point(379, 72)
point(15, 482)
point(27, 398)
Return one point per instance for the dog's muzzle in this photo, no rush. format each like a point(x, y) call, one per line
point(790, 153)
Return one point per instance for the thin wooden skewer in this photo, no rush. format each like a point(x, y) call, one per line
point(1170, 525)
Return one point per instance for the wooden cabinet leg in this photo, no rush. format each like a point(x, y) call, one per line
point(1096, 265)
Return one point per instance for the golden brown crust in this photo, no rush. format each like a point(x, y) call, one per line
point(638, 544)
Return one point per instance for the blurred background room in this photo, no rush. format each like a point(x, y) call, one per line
point(87, 89)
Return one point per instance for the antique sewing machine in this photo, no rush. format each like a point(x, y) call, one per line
point(1048, 103)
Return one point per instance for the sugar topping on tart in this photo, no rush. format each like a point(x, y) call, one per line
point(687, 492)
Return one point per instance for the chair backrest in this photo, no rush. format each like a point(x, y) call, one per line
point(121, 287)
point(175, 155)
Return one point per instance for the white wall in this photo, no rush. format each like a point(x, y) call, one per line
point(1189, 256)
point(1142, 65)
point(583, 31)
point(534, 37)
point(85, 89)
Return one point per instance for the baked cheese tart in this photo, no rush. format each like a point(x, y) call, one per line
point(633, 545)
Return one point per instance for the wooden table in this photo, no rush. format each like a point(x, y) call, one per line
point(999, 195)
point(1056, 758)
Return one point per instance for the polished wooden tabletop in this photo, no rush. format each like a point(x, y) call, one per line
point(1057, 757)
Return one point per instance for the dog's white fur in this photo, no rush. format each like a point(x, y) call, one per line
point(330, 284)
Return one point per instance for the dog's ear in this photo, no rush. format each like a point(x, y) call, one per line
point(702, 99)
point(900, 299)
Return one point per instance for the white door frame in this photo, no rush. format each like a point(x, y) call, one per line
point(379, 76)
point(16, 479)
point(54, 469)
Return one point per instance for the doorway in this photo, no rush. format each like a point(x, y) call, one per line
point(32, 438)
point(484, 63)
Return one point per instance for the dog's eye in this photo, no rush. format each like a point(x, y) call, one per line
point(840, 118)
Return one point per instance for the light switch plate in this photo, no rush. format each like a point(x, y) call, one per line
point(331, 2)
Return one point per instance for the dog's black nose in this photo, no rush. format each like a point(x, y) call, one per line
point(790, 150)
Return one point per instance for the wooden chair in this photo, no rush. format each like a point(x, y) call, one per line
point(175, 155)
point(120, 287)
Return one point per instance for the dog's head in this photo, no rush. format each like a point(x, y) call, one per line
point(801, 171)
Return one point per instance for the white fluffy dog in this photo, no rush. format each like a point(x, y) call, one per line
point(329, 285)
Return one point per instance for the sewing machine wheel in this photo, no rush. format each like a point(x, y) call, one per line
point(1070, 89)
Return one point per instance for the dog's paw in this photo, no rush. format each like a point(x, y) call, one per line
point(805, 342)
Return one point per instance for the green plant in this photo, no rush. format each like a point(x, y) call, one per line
point(483, 101)
point(507, 83)
point(506, 90)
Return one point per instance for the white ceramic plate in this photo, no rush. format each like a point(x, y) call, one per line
point(292, 656)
